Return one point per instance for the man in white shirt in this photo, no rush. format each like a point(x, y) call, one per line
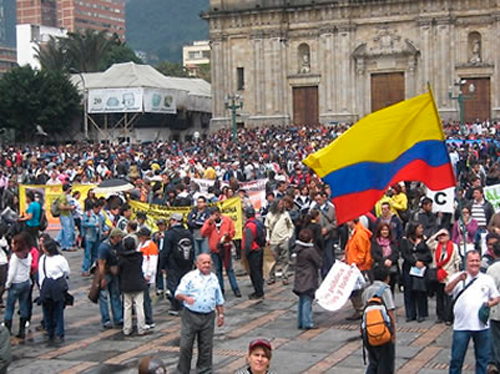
point(471, 290)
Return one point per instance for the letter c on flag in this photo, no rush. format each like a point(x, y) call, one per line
point(440, 198)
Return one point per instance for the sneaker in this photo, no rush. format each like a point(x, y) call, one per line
point(254, 296)
point(149, 327)
point(27, 324)
point(107, 326)
point(271, 281)
point(145, 332)
point(173, 312)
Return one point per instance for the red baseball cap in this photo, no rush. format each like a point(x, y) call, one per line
point(260, 343)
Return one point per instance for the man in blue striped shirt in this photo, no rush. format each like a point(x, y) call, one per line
point(200, 293)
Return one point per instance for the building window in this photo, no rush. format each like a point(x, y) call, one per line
point(240, 73)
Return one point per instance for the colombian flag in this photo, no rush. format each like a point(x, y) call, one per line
point(404, 142)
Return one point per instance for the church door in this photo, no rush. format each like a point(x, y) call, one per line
point(387, 89)
point(305, 106)
point(477, 105)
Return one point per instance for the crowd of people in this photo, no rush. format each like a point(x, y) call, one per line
point(401, 243)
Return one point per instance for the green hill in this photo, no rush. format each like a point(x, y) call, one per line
point(161, 27)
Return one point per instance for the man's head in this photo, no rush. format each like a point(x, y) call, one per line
point(473, 262)
point(320, 200)
point(143, 234)
point(477, 194)
point(141, 217)
point(203, 263)
point(115, 236)
point(175, 219)
point(386, 209)
point(215, 213)
point(201, 203)
point(427, 204)
point(162, 224)
point(66, 188)
point(250, 212)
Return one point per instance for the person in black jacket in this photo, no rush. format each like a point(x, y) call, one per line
point(177, 258)
point(132, 286)
point(416, 255)
point(385, 252)
point(308, 264)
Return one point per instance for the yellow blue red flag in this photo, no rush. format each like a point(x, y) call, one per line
point(404, 142)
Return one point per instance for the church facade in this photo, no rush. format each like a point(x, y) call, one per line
point(317, 61)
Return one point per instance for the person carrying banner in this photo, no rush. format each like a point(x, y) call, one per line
point(358, 252)
point(382, 357)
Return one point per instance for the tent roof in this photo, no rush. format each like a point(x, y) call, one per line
point(131, 75)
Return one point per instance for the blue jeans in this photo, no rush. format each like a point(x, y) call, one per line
point(459, 349)
point(21, 292)
point(113, 289)
point(53, 316)
point(218, 265)
point(90, 254)
point(200, 246)
point(66, 235)
point(305, 312)
point(148, 310)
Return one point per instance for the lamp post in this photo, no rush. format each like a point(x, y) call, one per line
point(233, 103)
point(461, 97)
point(85, 119)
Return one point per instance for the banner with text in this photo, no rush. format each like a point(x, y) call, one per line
point(443, 200)
point(45, 195)
point(492, 194)
point(230, 207)
point(337, 287)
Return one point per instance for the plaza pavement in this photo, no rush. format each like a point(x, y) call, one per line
point(334, 347)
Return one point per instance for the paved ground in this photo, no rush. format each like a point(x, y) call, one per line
point(334, 347)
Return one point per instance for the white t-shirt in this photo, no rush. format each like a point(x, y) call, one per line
point(467, 307)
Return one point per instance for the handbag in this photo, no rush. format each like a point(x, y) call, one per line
point(95, 287)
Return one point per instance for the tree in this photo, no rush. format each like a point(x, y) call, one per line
point(89, 51)
point(172, 69)
point(204, 72)
point(29, 98)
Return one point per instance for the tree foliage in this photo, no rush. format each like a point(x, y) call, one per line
point(172, 69)
point(29, 98)
point(89, 51)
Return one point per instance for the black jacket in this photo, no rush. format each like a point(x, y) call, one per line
point(377, 253)
point(306, 268)
point(131, 277)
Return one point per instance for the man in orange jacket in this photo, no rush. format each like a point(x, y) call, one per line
point(358, 251)
point(220, 232)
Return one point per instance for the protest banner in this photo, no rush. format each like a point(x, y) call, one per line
point(443, 200)
point(46, 194)
point(338, 285)
point(492, 194)
point(256, 189)
point(230, 207)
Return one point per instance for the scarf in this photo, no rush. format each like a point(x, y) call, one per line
point(449, 250)
point(385, 244)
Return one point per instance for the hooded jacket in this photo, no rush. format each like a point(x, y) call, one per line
point(358, 249)
point(131, 276)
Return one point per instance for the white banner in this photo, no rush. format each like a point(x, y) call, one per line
point(443, 201)
point(337, 287)
point(120, 100)
point(159, 101)
point(492, 194)
point(256, 189)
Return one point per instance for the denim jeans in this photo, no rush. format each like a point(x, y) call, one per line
point(66, 235)
point(305, 312)
point(200, 246)
point(21, 292)
point(459, 346)
point(53, 314)
point(90, 254)
point(148, 310)
point(218, 265)
point(113, 290)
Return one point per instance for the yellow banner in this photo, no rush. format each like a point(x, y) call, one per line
point(230, 207)
point(47, 194)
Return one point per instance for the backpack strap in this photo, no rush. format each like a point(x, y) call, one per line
point(381, 291)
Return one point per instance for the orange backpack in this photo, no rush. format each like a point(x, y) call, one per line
point(376, 325)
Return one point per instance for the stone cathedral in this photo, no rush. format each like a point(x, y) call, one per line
point(305, 62)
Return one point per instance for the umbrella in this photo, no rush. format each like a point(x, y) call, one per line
point(111, 186)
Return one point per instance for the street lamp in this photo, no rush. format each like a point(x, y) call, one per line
point(85, 119)
point(461, 97)
point(233, 103)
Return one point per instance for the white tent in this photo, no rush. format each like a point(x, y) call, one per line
point(143, 82)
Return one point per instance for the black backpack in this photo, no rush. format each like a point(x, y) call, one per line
point(261, 238)
point(43, 220)
point(184, 247)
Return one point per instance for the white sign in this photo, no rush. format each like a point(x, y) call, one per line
point(337, 287)
point(492, 194)
point(159, 101)
point(120, 100)
point(443, 200)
